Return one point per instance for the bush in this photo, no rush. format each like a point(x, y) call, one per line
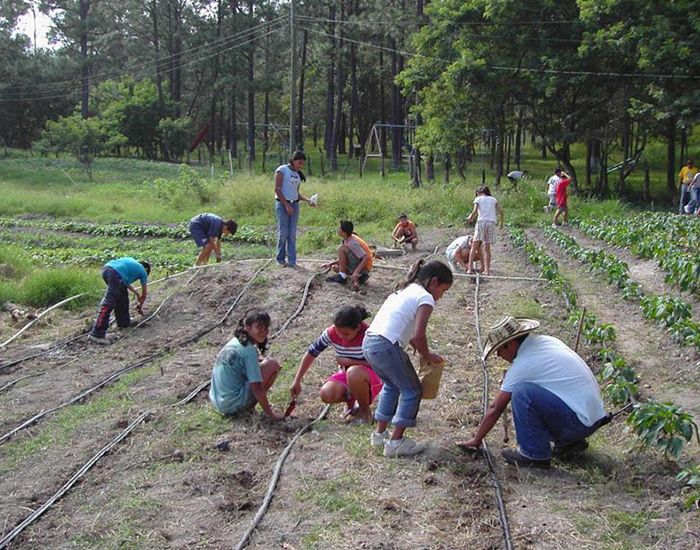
point(45, 288)
point(189, 187)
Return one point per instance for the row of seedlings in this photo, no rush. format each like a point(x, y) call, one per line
point(663, 426)
point(672, 313)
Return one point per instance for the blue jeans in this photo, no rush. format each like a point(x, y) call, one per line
point(685, 197)
point(116, 299)
point(287, 233)
point(400, 397)
point(694, 203)
point(541, 417)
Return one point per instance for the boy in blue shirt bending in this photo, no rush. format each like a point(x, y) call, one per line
point(119, 275)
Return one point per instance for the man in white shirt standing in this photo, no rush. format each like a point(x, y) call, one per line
point(554, 395)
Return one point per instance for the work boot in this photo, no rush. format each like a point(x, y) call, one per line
point(513, 456)
point(569, 449)
point(102, 341)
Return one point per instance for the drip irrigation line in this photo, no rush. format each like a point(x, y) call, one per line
point(486, 452)
point(167, 299)
point(193, 393)
point(73, 480)
point(299, 308)
point(33, 321)
point(84, 334)
point(116, 375)
point(275, 478)
point(10, 384)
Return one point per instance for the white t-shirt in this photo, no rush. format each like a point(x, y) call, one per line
point(549, 363)
point(552, 185)
point(487, 208)
point(454, 246)
point(515, 174)
point(397, 316)
point(290, 182)
point(695, 184)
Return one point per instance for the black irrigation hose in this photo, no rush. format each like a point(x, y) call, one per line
point(72, 481)
point(142, 362)
point(275, 478)
point(44, 352)
point(486, 452)
point(10, 384)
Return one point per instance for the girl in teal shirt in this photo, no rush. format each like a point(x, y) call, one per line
point(240, 379)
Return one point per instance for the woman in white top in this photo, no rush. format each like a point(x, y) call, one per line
point(288, 178)
point(489, 212)
point(402, 320)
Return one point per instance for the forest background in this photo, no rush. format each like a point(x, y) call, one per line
point(168, 79)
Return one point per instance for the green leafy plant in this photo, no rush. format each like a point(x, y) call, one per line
point(664, 426)
point(691, 477)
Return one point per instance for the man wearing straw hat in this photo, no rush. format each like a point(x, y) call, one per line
point(554, 395)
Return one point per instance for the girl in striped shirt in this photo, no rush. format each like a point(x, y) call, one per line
point(355, 382)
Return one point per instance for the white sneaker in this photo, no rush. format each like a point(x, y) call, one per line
point(402, 447)
point(546, 209)
point(377, 439)
point(554, 226)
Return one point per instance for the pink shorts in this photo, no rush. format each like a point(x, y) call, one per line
point(375, 383)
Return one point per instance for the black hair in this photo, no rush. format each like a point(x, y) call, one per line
point(403, 215)
point(232, 226)
point(558, 170)
point(347, 226)
point(146, 266)
point(298, 155)
point(483, 189)
point(249, 317)
point(422, 274)
point(350, 316)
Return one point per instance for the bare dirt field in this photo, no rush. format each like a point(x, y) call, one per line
point(189, 478)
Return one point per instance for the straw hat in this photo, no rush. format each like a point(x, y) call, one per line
point(506, 330)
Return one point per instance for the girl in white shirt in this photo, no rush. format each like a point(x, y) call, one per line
point(489, 212)
point(402, 320)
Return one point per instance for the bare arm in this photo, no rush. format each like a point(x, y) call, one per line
point(359, 269)
point(420, 340)
point(304, 366)
point(473, 215)
point(258, 391)
point(493, 413)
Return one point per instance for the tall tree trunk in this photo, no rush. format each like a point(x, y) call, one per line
point(330, 84)
point(214, 88)
point(382, 103)
point(396, 111)
point(84, 63)
point(300, 109)
point(337, 135)
point(233, 128)
point(671, 157)
point(354, 99)
point(519, 139)
point(175, 43)
point(251, 89)
point(430, 167)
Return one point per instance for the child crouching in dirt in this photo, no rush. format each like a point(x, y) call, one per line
point(355, 258)
point(240, 379)
point(487, 213)
point(355, 382)
point(405, 232)
point(403, 319)
point(457, 253)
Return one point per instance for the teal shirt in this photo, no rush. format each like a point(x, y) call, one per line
point(129, 270)
point(235, 368)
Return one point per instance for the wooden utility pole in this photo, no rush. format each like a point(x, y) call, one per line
point(293, 78)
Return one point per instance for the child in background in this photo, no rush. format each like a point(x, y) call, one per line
point(355, 258)
point(562, 207)
point(239, 378)
point(355, 382)
point(552, 190)
point(487, 212)
point(457, 253)
point(405, 232)
point(403, 319)
point(206, 230)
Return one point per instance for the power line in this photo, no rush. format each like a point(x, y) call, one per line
point(514, 69)
point(222, 43)
point(181, 65)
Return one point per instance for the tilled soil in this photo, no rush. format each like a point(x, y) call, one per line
point(169, 486)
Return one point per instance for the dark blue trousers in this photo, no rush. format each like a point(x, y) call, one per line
point(116, 299)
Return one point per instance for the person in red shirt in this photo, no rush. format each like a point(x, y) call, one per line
point(561, 196)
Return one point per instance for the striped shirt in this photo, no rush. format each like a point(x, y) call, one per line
point(343, 348)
